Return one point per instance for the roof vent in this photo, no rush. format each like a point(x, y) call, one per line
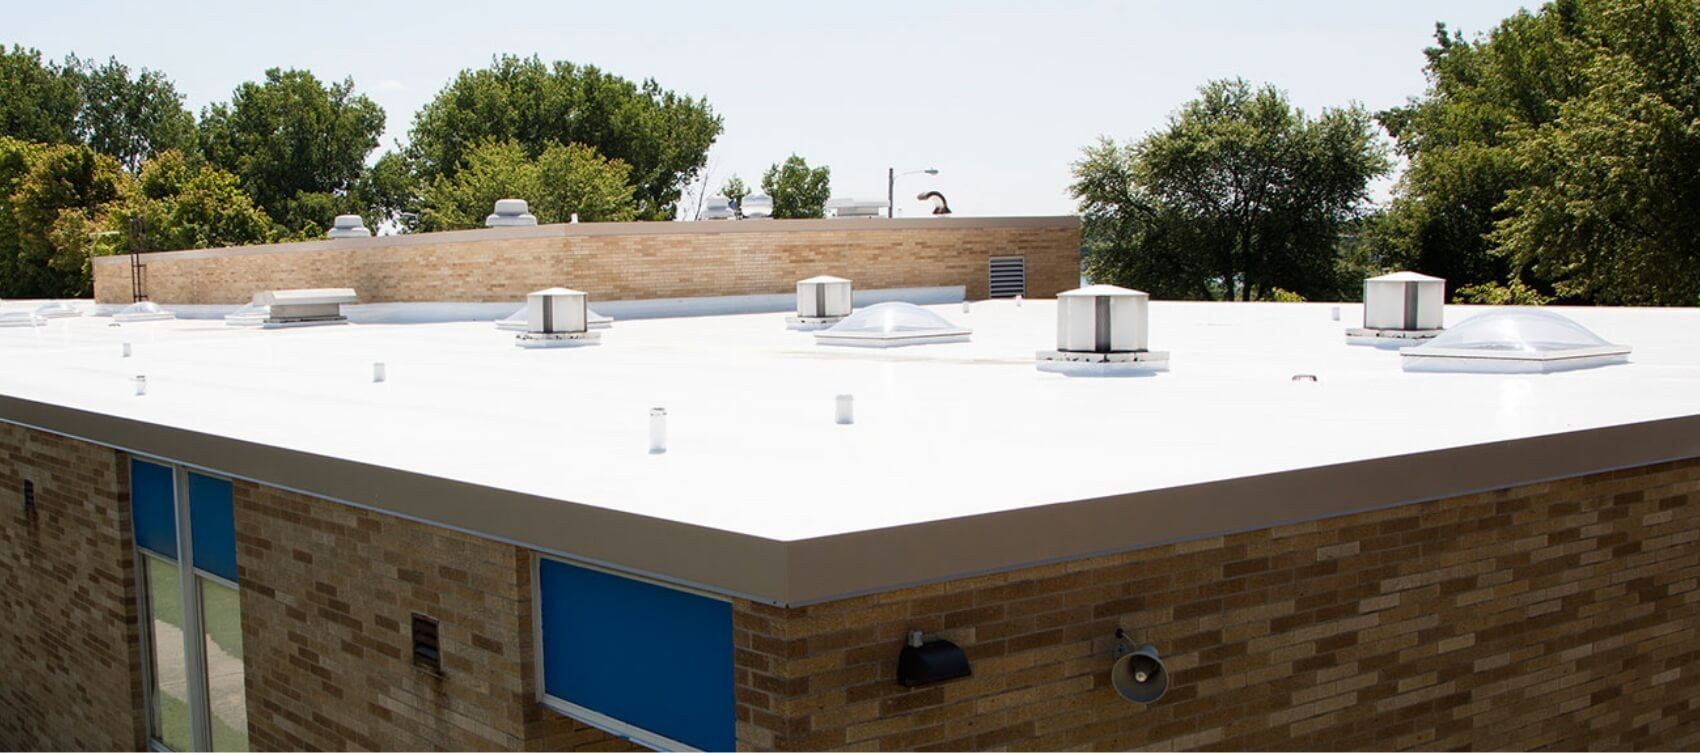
point(519, 320)
point(718, 208)
point(757, 206)
point(1514, 341)
point(57, 310)
point(892, 324)
point(304, 308)
point(510, 213)
point(821, 302)
point(142, 311)
point(348, 226)
point(1399, 308)
point(557, 318)
point(1103, 330)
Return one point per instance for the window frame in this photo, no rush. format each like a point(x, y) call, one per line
point(599, 720)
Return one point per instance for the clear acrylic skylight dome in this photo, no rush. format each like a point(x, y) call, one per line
point(57, 310)
point(1514, 340)
point(143, 311)
point(892, 323)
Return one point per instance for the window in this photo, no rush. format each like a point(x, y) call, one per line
point(192, 615)
point(649, 662)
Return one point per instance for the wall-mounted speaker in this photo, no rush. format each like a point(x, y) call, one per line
point(1139, 674)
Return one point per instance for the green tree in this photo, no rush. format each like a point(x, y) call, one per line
point(664, 137)
point(297, 146)
point(130, 119)
point(735, 191)
point(61, 191)
point(1609, 207)
point(797, 190)
point(388, 193)
point(1461, 137)
point(1240, 195)
point(184, 206)
point(562, 181)
point(38, 101)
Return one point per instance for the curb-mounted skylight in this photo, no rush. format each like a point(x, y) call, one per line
point(57, 310)
point(20, 319)
point(142, 311)
point(892, 324)
point(1514, 341)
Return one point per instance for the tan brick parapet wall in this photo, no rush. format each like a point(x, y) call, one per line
point(618, 260)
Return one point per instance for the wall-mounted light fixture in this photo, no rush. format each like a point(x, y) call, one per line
point(1139, 674)
point(923, 662)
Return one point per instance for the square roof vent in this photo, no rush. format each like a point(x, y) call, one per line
point(821, 302)
point(1399, 308)
point(305, 307)
point(1103, 330)
point(557, 318)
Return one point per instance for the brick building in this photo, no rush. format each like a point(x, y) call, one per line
point(269, 549)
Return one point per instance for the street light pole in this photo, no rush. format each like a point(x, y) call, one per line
point(891, 176)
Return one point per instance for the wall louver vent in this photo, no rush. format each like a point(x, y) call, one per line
point(1008, 277)
point(427, 650)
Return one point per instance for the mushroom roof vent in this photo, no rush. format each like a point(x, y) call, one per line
point(348, 226)
point(1102, 330)
point(1400, 308)
point(885, 325)
point(1514, 340)
point(822, 301)
point(510, 213)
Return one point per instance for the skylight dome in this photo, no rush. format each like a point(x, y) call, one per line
point(254, 314)
point(1514, 341)
point(885, 325)
point(57, 310)
point(20, 319)
point(142, 311)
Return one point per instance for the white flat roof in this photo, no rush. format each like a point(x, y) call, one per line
point(941, 431)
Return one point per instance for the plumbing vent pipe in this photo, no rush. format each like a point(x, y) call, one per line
point(657, 431)
point(1402, 306)
point(510, 213)
point(1102, 330)
point(557, 318)
point(302, 308)
point(821, 302)
point(348, 226)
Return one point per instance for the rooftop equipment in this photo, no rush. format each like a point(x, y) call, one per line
point(252, 314)
point(510, 213)
point(821, 302)
point(892, 324)
point(758, 206)
point(1514, 341)
point(348, 226)
point(718, 208)
point(557, 318)
point(1399, 308)
point(142, 311)
point(20, 319)
point(1103, 330)
point(519, 320)
point(57, 310)
point(848, 207)
point(304, 308)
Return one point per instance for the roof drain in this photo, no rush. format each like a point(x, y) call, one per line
point(557, 318)
point(821, 302)
point(1400, 309)
point(304, 308)
point(1103, 330)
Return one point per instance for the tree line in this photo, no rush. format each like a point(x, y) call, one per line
point(1554, 158)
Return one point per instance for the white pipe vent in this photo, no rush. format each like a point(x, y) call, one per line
point(1102, 330)
point(304, 308)
point(510, 213)
point(557, 318)
point(1401, 306)
point(821, 302)
point(348, 226)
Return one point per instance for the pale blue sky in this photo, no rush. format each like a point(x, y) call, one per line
point(999, 96)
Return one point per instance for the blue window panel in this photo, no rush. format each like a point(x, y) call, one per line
point(653, 657)
point(153, 508)
point(212, 525)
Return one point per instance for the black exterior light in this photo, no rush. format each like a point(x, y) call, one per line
point(923, 662)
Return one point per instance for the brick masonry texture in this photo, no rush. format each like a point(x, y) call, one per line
point(70, 642)
point(1558, 615)
point(633, 264)
point(328, 594)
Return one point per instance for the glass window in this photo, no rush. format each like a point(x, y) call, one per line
point(222, 617)
point(169, 679)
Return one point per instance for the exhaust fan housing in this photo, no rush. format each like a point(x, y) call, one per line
point(348, 226)
point(1400, 308)
point(821, 302)
point(303, 308)
point(1103, 330)
point(557, 318)
point(510, 213)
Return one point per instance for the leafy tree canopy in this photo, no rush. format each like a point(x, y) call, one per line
point(662, 136)
point(130, 118)
point(735, 191)
point(295, 144)
point(797, 190)
point(53, 195)
point(38, 101)
point(1239, 196)
point(560, 182)
point(183, 205)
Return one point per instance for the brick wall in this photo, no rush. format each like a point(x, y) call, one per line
point(619, 261)
point(328, 592)
point(70, 656)
point(1561, 615)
